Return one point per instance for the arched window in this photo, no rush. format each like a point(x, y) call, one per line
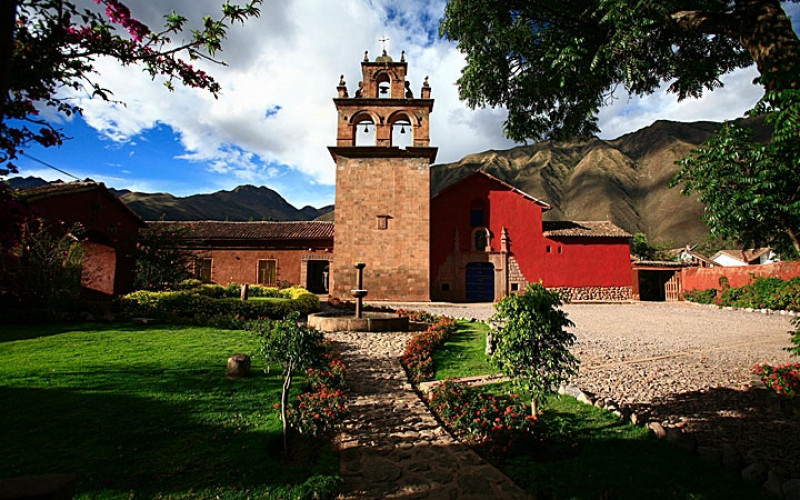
point(384, 86)
point(480, 239)
point(364, 133)
point(402, 133)
point(477, 214)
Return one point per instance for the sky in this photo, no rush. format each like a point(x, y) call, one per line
point(275, 118)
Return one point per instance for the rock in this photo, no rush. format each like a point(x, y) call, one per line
point(791, 489)
point(238, 366)
point(635, 420)
point(381, 471)
point(774, 483)
point(731, 458)
point(657, 429)
point(710, 454)
point(755, 472)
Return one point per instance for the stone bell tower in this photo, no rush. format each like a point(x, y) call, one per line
point(383, 190)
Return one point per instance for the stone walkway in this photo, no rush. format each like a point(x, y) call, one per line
point(392, 447)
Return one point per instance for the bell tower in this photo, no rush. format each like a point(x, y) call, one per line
point(383, 190)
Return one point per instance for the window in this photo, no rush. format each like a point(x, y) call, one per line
point(559, 249)
point(445, 287)
point(476, 217)
point(547, 249)
point(267, 272)
point(202, 270)
point(514, 287)
point(383, 222)
point(480, 239)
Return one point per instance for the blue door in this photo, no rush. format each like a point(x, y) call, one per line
point(480, 282)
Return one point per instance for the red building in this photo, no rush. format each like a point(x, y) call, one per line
point(488, 239)
point(109, 226)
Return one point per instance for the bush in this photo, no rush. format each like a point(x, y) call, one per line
point(481, 419)
point(764, 293)
point(204, 305)
point(418, 356)
point(701, 296)
point(783, 379)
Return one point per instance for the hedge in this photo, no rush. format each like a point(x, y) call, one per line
point(201, 305)
point(762, 293)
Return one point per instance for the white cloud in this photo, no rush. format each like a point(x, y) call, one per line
point(275, 108)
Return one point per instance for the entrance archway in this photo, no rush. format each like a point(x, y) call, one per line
point(480, 282)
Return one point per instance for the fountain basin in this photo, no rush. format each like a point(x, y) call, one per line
point(340, 321)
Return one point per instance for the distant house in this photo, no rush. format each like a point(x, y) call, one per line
point(751, 257)
point(688, 255)
point(110, 230)
point(263, 253)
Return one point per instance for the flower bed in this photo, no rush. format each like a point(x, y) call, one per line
point(482, 420)
point(783, 379)
point(418, 357)
point(320, 411)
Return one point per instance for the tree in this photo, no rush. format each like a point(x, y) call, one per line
point(751, 190)
point(43, 270)
point(531, 345)
point(294, 347)
point(554, 64)
point(47, 46)
point(162, 259)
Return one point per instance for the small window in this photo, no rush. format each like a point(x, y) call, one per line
point(383, 222)
point(202, 270)
point(560, 248)
point(267, 273)
point(445, 287)
point(476, 218)
point(514, 287)
point(547, 249)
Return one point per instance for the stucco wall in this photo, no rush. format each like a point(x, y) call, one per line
point(708, 277)
point(241, 265)
point(586, 262)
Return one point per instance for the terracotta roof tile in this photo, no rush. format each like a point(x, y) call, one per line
point(220, 230)
point(582, 229)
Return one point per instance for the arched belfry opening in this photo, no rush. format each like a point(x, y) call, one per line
point(383, 189)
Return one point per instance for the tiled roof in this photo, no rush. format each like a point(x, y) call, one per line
point(219, 230)
point(582, 229)
point(746, 256)
point(57, 189)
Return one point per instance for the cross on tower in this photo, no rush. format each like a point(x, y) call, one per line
point(383, 42)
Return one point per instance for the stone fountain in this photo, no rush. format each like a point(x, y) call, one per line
point(361, 321)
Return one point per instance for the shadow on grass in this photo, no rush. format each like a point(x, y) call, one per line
point(116, 443)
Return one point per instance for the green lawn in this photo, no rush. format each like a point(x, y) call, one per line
point(145, 412)
point(591, 454)
point(463, 355)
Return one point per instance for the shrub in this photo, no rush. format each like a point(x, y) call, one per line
point(795, 337)
point(319, 412)
point(764, 293)
point(701, 296)
point(531, 343)
point(783, 379)
point(495, 424)
point(418, 356)
point(200, 306)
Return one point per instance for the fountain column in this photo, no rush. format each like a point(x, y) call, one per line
point(359, 293)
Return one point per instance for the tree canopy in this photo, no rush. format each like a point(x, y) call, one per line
point(48, 46)
point(554, 64)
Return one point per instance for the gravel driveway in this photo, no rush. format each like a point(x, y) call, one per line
point(685, 365)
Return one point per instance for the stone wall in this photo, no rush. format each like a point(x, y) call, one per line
point(612, 294)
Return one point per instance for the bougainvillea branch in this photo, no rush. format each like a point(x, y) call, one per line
point(49, 46)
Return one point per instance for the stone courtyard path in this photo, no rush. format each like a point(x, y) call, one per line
point(392, 447)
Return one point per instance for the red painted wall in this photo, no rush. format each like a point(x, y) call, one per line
point(703, 278)
point(583, 262)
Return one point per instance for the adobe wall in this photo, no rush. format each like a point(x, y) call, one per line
point(241, 265)
point(703, 278)
point(369, 192)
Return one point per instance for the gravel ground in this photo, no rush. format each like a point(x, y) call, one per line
point(684, 365)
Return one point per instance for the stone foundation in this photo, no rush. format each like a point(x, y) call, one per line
point(611, 294)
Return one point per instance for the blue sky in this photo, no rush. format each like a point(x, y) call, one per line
point(274, 119)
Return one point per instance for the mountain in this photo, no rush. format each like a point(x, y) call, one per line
point(241, 204)
point(624, 180)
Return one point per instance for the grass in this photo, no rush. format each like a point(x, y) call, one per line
point(464, 354)
point(137, 411)
point(590, 454)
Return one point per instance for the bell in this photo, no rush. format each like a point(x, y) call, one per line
point(384, 90)
point(366, 129)
point(402, 129)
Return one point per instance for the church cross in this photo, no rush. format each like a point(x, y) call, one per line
point(383, 41)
